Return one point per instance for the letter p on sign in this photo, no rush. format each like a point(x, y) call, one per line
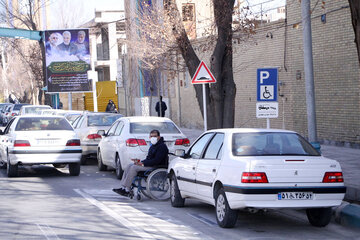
point(263, 76)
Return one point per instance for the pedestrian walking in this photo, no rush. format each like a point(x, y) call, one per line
point(160, 107)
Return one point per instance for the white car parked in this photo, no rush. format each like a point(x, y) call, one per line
point(33, 109)
point(128, 138)
point(256, 169)
point(33, 140)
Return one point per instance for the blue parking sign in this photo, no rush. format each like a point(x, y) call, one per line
point(267, 80)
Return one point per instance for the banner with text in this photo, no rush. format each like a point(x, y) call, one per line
point(67, 60)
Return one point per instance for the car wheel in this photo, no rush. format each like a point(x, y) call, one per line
point(118, 169)
point(83, 159)
point(74, 169)
point(225, 216)
point(11, 170)
point(175, 195)
point(2, 165)
point(319, 217)
point(101, 166)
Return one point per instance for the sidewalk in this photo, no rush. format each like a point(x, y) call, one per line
point(349, 159)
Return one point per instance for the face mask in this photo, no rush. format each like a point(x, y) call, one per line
point(153, 140)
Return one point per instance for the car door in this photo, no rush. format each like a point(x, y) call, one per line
point(185, 169)
point(108, 146)
point(208, 166)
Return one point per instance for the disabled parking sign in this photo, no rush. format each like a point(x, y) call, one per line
point(267, 80)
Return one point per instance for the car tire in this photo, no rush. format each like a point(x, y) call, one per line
point(101, 166)
point(83, 159)
point(225, 216)
point(74, 169)
point(319, 217)
point(2, 165)
point(11, 170)
point(118, 168)
point(175, 195)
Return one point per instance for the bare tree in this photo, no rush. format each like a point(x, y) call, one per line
point(355, 19)
point(26, 15)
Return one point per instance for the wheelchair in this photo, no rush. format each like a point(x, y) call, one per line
point(153, 184)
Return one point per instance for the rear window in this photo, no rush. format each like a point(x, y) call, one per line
point(18, 106)
point(102, 120)
point(40, 124)
point(271, 144)
point(72, 117)
point(36, 110)
point(146, 127)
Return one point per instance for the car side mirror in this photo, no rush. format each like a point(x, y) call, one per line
point(179, 152)
point(101, 132)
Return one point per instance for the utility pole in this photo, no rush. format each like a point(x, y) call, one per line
point(309, 72)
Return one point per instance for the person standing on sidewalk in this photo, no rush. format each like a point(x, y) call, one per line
point(157, 156)
point(160, 107)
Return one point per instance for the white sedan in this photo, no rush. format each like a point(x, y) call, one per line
point(256, 169)
point(129, 138)
point(33, 109)
point(33, 140)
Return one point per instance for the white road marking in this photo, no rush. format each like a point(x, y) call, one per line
point(48, 232)
point(116, 216)
point(140, 217)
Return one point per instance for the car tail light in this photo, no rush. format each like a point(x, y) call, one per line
point(6, 113)
point(73, 142)
point(13, 114)
point(183, 141)
point(93, 136)
point(254, 177)
point(21, 143)
point(133, 142)
point(333, 177)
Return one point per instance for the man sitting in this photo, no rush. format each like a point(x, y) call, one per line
point(157, 156)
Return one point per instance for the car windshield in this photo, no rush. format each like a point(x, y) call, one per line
point(146, 127)
point(35, 110)
point(271, 144)
point(40, 124)
point(102, 119)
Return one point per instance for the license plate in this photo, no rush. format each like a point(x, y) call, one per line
point(295, 196)
point(47, 141)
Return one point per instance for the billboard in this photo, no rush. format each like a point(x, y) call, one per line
point(67, 60)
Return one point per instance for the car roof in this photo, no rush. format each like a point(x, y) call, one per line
point(147, 119)
point(250, 130)
point(46, 106)
point(39, 116)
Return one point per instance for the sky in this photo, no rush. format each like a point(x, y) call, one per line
point(82, 10)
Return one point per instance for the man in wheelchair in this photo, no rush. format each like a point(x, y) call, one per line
point(157, 156)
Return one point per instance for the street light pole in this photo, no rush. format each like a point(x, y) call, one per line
point(309, 71)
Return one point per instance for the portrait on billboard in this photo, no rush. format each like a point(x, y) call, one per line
point(67, 60)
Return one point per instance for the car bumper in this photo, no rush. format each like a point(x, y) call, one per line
point(322, 197)
point(27, 157)
point(89, 148)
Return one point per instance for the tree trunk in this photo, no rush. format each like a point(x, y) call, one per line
point(355, 19)
point(220, 95)
point(47, 100)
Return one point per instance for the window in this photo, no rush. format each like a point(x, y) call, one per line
point(79, 123)
point(146, 127)
point(40, 124)
point(119, 128)
point(214, 147)
point(197, 148)
point(188, 11)
point(102, 119)
point(111, 131)
point(271, 143)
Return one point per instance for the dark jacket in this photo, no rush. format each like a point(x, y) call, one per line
point(110, 107)
point(157, 154)
point(163, 108)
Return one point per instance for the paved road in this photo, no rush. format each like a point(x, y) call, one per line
point(47, 203)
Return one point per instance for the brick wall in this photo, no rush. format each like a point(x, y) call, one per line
point(336, 75)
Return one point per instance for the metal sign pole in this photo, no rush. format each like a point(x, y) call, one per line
point(204, 106)
point(268, 123)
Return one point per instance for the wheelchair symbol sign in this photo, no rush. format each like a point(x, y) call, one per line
point(267, 92)
point(267, 79)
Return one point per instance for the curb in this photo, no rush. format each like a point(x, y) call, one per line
point(348, 214)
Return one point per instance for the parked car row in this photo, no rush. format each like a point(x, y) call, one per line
point(229, 168)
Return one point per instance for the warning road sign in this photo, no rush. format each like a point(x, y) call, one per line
point(203, 75)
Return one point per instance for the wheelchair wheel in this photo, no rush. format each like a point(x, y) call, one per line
point(143, 189)
point(158, 184)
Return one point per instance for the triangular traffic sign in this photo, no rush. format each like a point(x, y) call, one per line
point(203, 75)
